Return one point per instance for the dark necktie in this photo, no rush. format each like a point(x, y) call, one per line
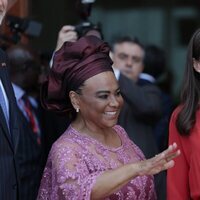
point(32, 118)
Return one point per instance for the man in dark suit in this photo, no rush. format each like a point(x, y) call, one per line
point(142, 106)
point(142, 102)
point(139, 113)
point(24, 68)
point(9, 129)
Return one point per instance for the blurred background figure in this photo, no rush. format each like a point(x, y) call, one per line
point(142, 106)
point(142, 100)
point(72, 33)
point(24, 70)
point(155, 72)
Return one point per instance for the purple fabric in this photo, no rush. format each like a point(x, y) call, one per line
point(76, 160)
point(74, 63)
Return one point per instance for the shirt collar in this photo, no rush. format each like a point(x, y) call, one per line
point(19, 92)
point(147, 77)
point(116, 72)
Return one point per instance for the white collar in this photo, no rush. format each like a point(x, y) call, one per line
point(116, 72)
point(147, 77)
point(19, 92)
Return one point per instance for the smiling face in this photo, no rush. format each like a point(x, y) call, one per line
point(100, 100)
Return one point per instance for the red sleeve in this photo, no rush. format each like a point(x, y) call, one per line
point(194, 172)
point(178, 176)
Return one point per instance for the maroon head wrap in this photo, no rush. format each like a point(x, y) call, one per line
point(74, 63)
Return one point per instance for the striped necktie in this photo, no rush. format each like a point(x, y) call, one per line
point(32, 118)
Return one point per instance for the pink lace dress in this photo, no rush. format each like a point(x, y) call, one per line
point(76, 160)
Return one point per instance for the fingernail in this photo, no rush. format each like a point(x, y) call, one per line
point(174, 144)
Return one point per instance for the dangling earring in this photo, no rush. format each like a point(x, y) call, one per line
point(77, 110)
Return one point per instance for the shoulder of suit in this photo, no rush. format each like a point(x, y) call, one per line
point(3, 58)
point(2, 53)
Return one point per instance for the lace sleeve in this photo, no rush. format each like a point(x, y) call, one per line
point(67, 175)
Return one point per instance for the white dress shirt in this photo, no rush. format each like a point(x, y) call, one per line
point(116, 72)
point(5, 97)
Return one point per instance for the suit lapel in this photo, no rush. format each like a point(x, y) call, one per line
point(14, 124)
point(5, 128)
point(14, 130)
point(121, 80)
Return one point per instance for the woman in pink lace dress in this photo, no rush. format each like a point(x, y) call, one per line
point(94, 158)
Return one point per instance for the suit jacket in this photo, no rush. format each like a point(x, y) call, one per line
point(9, 181)
point(31, 160)
point(142, 108)
point(54, 126)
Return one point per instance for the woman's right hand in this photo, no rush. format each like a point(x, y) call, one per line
point(160, 162)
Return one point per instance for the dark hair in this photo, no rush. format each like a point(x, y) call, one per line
point(190, 94)
point(123, 39)
point(154, 61)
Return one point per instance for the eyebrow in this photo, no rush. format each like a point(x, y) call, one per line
point(132, 56)
point(105, 91)
point(122, 54)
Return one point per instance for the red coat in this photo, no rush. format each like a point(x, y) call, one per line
point(183, 180)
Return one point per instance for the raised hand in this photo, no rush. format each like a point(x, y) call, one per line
point(67, 33)
point(160, 162)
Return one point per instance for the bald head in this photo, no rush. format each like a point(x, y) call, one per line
point(18, 56)
point(24, 66)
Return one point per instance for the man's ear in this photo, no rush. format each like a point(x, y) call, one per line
point(196, 65)
point(74, 98)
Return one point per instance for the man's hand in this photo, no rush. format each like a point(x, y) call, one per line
point(67, 33)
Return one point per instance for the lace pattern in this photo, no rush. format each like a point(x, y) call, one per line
point(76, 160)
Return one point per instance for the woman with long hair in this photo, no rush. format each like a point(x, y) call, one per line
point(183, 181)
